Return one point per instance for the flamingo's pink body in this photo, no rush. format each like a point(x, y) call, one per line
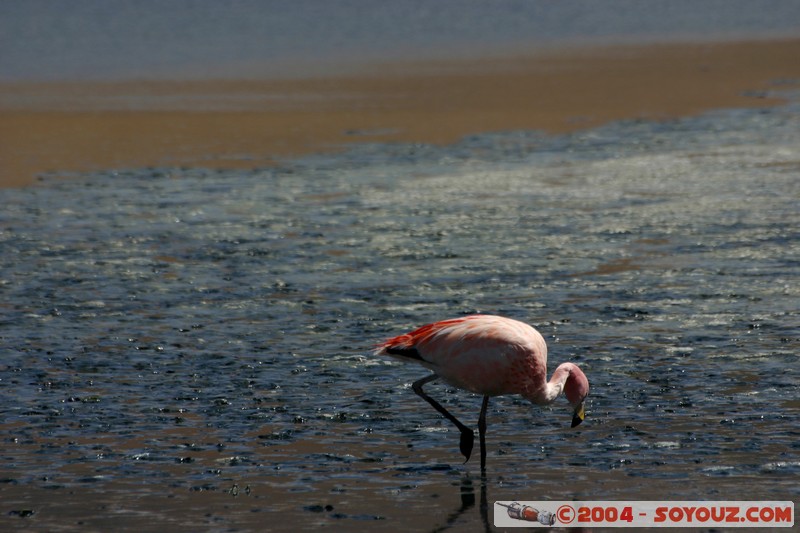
point(491, 356)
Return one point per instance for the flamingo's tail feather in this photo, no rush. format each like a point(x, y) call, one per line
point(407, 352)
point(405, 346)
point(402, 346)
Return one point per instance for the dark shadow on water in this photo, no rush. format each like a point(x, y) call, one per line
point(467, 489)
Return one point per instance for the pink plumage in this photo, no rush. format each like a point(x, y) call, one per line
point(491, 356)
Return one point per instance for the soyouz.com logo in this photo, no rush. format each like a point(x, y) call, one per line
point(725, 514)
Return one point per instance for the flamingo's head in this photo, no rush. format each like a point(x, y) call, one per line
point(576, 389)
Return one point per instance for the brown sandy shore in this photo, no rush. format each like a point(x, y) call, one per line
point(78, 127)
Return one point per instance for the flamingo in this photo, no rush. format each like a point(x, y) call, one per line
point(488, 355)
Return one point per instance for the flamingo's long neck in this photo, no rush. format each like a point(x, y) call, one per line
point(553, 388)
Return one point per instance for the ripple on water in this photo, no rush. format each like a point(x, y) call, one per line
point(203, 330)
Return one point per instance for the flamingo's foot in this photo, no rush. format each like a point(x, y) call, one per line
point(467, 443)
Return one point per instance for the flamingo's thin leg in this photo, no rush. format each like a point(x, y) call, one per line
point(467, 435)
point(482, 432)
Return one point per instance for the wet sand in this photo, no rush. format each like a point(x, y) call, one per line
point(68, 128)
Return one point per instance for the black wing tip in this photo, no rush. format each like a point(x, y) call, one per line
point(407, 352)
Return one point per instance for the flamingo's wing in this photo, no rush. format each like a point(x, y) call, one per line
point(407, 345)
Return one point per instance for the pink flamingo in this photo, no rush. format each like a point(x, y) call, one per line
point(492, 356)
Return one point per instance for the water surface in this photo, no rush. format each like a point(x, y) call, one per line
point(190, 349)
point(116, 39)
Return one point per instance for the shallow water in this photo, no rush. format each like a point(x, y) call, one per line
point(190, 349)
point(113, 39)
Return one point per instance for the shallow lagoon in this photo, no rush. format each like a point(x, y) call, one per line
point(191, 349)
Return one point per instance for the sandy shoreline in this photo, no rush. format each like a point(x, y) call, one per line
point(76, 127)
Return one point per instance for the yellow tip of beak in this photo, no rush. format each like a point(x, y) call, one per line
point(578, 415)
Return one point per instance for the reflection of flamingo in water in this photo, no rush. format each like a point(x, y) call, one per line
point(492, 356)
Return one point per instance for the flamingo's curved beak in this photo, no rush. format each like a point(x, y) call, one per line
point(578, 415)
